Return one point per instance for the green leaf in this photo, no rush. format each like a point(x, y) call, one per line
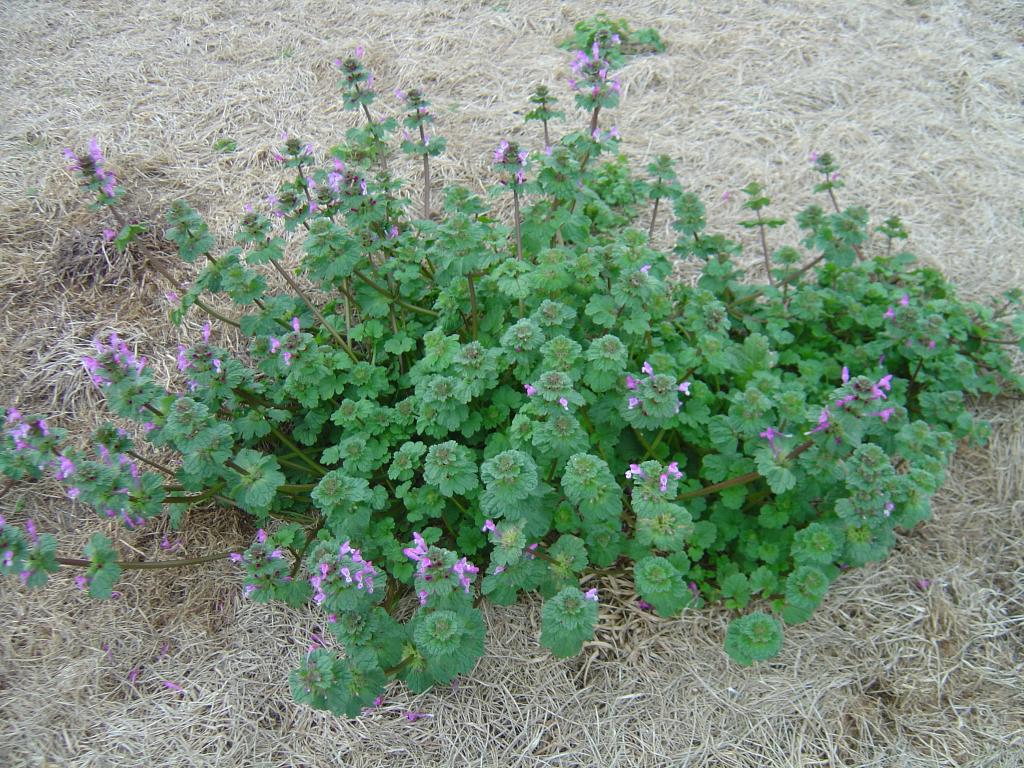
point(567, 621)
point(451, 468)
point(780, 478)
point(754, 637)
point(660, 584)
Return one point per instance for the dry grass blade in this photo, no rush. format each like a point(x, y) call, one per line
point(921, 102)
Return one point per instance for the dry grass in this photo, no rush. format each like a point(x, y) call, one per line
point(922, 103)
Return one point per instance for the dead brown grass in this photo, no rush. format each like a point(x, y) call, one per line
point(922, 103)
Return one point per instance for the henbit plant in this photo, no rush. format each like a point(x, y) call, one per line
point(470, 409)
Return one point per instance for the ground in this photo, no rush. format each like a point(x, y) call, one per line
point(921, 102)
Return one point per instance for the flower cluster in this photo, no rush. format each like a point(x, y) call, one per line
point(115, 352)
point(351, 568)
point(21, 429)
point(93, 169)
point(434, 565)
point(512, 160)
point(510, 539)
point(633, 384)
point(864, 390)
point(263, 566)
point(672, 472)
point(592, 81)
point(289, 346)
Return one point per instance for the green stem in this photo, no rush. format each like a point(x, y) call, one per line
point(426, 175)
point(764, 250)
point(472, 306)
point(309, 303)
point(657, 441)
point(654, 216)
point(385, 292)
point(155, 465)
point(150, 565)
point(749, 477)
point(646, 447)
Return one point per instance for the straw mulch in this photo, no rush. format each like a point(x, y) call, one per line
point(921, 101)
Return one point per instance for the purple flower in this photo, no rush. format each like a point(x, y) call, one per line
point(885, 414)
point(634, 402)
point(685, 388)
point(65, 469)
point(643, 605)
point(889, 314)
point(646, 368)
point(464, 569)
point(823, 422)
point(630, 382)
point(564, 403)
point(489, 526)
point(295, 324)
point(530, 390)
point(499, 153)
point(845, 374)
point(109, 234)
point(646, 268)
point(206, 333)
point(905, 300)
point(635, 473)
point(591, 594)
point(173, 686)
point(412, 717)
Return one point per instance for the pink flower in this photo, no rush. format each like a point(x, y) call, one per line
point(685, 388)
point(646, 268)
point(634, 472)
point(905, 300)
point(295, 324)
point(206, 333)
point(173, 686)
point(591, 594)
point(633, 402)
point(109, 234)
point(823, 422)
point(646, 368)
point(845, 374)
point(530, 390)
point(890, 313)
point(412, 717)
point(630, 382)
point(564, 403)
point(489, 526)
point(885, 414)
